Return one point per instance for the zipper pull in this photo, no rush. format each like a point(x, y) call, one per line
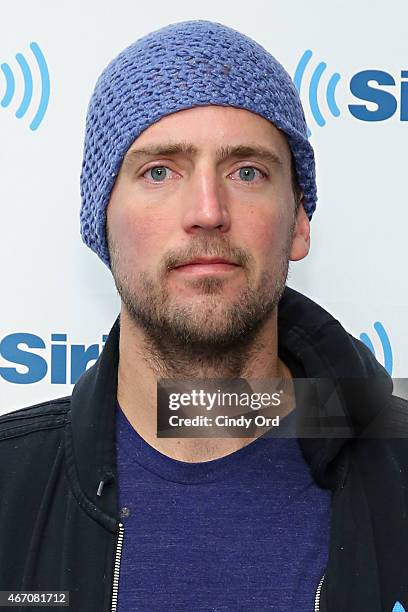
point(100, 487)
point(107, 477)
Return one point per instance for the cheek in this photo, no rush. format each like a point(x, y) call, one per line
point(263, 233)
point(141, 236)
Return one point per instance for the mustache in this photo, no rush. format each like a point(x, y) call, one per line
point(236, 256)
point(206, 245)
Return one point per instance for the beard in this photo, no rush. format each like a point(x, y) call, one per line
point(209, 334)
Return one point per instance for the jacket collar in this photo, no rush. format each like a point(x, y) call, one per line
point(327, 351)
point(306, 331)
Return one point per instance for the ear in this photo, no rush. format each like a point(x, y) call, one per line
point(301, 235)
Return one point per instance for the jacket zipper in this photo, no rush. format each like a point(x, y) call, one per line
point(317, 596)
point(116, 569)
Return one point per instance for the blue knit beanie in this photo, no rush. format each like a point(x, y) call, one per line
point(186, 64)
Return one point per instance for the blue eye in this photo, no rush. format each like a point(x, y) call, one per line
point(158, 172)
point(247, 173)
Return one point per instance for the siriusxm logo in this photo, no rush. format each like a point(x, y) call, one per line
point(385, 343)
point(28, 84)
point(53, 360)
point(367, 86)
point(33, 359)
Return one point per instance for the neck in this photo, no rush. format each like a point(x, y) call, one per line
point(142, 363)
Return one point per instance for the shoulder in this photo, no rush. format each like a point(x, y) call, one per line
point(31, 458)
point(383, 445)
point(38, 417)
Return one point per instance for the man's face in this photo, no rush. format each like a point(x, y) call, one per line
point(207, 200)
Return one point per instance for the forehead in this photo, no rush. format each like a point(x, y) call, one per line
point(214, 128)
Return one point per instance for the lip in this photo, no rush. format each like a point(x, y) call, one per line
point(207, 260)
point(207, 268)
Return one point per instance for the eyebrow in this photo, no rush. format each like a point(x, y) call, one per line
point(223, 153)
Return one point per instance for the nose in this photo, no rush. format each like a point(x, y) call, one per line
point(207, 205)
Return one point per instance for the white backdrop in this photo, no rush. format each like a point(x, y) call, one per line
point(57, 294)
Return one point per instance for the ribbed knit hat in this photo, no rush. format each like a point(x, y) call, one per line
point(182, 65)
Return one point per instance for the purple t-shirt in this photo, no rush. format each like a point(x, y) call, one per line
point(248, 531)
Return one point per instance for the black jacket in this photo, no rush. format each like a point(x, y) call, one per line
point(59, 518)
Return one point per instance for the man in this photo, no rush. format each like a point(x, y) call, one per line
point(198, 187)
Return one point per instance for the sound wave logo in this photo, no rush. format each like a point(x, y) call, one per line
point(385, 343)
point(28, 86)
point(314, 88)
